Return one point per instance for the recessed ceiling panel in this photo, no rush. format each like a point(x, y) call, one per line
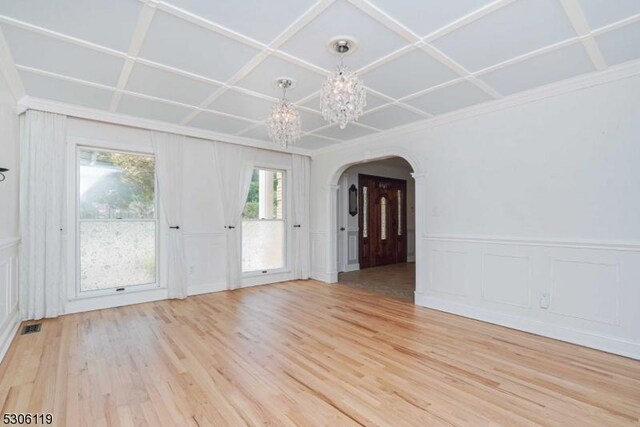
point(410, 73)
point(164, 84)
point(259, 19)
point(342, 18)
point(189, 47)
point(46, 87)
point(149, 109)
point(603, 12)
point(425, 16)
point(261, 79)
point(390, 117)
point(313, 142)
point(311, 121)
point(218, 123)
point(241, 104)
point(449, 98)
point(620, 45)
point(109, 23)
point(540, 70)
point(351, 131)
point(49, 54)
point(516, 29)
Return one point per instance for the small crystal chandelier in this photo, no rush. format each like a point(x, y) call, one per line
point(284, 120)
point(343, 96)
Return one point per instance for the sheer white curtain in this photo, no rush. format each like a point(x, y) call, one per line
point(42, 196)
point(300, 166)
point(168, 149)
point(234, 177)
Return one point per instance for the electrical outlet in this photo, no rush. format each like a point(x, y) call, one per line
point(544, 299)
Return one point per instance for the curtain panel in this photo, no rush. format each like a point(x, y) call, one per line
point(168, 149)
point(234, 170)
point(42, 201)
point(300, 170)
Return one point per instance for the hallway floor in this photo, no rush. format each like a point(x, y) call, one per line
point(395, 281)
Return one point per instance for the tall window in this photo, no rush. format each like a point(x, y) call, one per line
point(263, 223)
point(116, 219)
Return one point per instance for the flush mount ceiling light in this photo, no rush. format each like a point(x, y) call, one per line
point(284, 120)
point(343, 96)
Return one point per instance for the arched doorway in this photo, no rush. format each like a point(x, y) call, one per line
point(339, 246)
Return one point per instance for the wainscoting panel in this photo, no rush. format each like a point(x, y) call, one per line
point(506, 279)
point(9, 311)
point(206, 263)
point(449, 271)
point(319, 266)
point(585, 290)
point(352, 241)
point(582, 292)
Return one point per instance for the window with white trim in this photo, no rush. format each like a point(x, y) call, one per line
point(116, 220)
point(264, 223)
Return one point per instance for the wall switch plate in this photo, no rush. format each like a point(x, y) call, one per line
point(544, 299)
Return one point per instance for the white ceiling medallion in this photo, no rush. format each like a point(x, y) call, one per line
point(343, 96)
point(284, 121)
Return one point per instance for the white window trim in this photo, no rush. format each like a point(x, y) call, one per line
point(251, 278)
point(72, 236)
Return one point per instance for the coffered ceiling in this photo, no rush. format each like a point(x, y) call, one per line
point(210, 64)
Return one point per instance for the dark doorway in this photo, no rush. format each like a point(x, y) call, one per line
point(382, 220)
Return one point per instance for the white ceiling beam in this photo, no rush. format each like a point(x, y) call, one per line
point(576, 16)
point(142, 26)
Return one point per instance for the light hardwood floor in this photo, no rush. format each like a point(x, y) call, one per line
point(305, 353)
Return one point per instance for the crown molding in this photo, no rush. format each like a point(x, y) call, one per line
point(612, 74)
point(31, 103)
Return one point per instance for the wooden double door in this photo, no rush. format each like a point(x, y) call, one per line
point(382, 220)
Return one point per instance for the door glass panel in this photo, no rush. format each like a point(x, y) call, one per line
point(399, 212)
point(383, 218)
point(365, 212)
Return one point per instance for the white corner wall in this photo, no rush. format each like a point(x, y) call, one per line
point(9, 206)
point(515, 205)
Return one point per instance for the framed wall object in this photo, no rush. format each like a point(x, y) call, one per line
point(353, 200)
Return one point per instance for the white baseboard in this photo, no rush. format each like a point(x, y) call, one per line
point(8, 332)
point(562, 333)
point(206, 288)
point(411, 258)
point(351, 267)
point(324, 277)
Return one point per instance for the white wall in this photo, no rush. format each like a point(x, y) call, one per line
point(203, 223)
point(391, 168)
point(540, 198)
point(9, 206)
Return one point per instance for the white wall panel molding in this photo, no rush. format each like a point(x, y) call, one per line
point(591, 339)
point(9, 289)
point(630, 246)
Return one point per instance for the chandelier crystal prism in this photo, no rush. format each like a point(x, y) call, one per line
point(284, 121)
point(343, 95)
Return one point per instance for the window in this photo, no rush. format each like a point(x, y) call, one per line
point(263, 223)
point(365, 212)
point(399, 212)
point(117, 220)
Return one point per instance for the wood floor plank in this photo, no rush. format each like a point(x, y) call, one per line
point(306, 353)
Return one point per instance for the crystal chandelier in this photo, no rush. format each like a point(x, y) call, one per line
point(284, 120)
point(343, 96)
